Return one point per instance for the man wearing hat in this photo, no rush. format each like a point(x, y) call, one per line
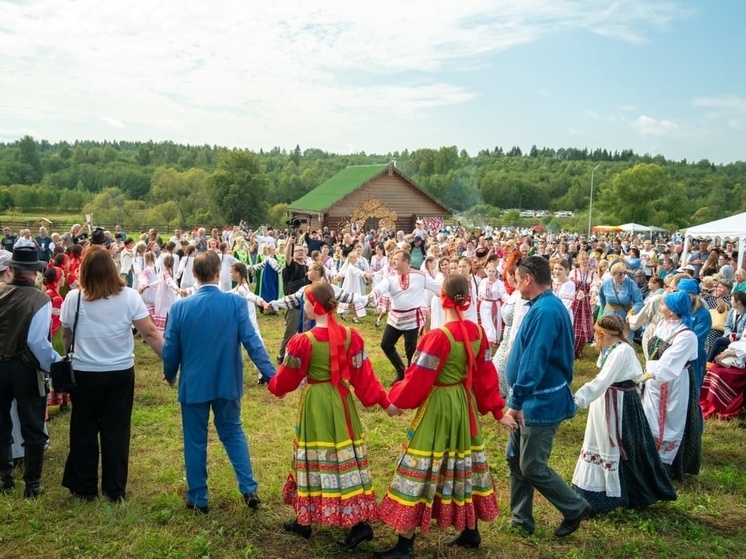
point(25, 349)
point(98, 237)
point(641, 280)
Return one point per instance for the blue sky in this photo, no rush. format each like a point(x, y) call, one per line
point(657, 76)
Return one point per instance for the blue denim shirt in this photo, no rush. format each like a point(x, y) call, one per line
point(540, 365)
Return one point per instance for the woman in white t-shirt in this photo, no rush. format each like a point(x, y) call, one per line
point(104, 370)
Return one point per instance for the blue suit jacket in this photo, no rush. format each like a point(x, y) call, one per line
point(204, 336)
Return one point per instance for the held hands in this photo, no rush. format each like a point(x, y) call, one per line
point(171, 384)
point(509, 422)
point(393, 411)
point(517, 415)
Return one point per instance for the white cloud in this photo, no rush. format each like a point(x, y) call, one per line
point(543, 93)
point(591, 114)
point(728, 102)
point(113, 122)
point(648, 126)
point(240, 73)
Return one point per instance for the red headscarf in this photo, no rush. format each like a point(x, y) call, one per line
point(337, 334)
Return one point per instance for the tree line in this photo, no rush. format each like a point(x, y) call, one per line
point(162, 182)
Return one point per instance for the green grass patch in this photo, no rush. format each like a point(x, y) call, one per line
point(706, 522)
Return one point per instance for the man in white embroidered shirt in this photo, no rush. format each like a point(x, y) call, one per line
point(406, 289)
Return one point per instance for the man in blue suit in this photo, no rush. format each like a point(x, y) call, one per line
point(204, 336)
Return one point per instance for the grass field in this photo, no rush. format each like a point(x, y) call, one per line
point(707, 520)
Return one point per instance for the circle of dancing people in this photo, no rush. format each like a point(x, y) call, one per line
point(490, 327)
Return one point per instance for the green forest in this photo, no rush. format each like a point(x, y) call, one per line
point(167, 184)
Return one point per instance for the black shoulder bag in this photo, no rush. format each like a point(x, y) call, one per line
point(61, 372)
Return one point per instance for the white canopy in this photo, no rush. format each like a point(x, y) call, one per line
point(733, 227)
point(635, 228)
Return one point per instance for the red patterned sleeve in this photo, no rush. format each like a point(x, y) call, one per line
point(368, 388)
point(428, 360)
point(485, 383)
point(294, 367)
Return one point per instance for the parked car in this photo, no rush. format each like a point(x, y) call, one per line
point(541, 213)
point(527, 213)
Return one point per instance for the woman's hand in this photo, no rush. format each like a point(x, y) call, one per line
point(509, 422)
point(393, 411)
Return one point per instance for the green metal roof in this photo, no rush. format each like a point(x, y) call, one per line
point(337, 187)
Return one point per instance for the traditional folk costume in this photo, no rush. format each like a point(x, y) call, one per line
point(437, 312)
point(269, 280)
point(406, 316)
point(166, 293)
point(509, 310)
point(252, 300)
point(56, 398)
point(226, 261)
point(296, 301)
point(443, 474)
point(351, 283)
point(648, 317)
point(330, 480)
point(491, 294)
point(566, 293)
point(619, 299)
point(722, 392)
point(619, 465)
point(667, 395)
point(148, 282)
point(582, 321)
point(383, 303)
point(472, 313)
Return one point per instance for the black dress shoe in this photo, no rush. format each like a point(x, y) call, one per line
point(404, 549)
point(569, 526)
point(252, 500)
point(202, 510)
point(294, 527)
point(84, 497)
point(467, 538)
point(361, 532)
point(395, 553)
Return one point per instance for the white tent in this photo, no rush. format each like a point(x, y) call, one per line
point(634, 228)
point(733, 227)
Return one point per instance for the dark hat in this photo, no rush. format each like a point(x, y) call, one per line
point(639, 273)
point(482, 252)
point(98, 237)
point(417, 238)
point(27, 259)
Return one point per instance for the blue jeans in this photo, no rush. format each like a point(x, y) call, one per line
point(227, 419)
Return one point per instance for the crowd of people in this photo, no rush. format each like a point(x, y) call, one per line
point(492, 321)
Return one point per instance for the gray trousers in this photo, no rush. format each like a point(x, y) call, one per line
point(529, 449)
point(291, 329)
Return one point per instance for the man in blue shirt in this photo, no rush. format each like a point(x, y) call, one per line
point(539, 373)
point(204, 335)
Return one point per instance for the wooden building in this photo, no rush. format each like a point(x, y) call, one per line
point(370, 196)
